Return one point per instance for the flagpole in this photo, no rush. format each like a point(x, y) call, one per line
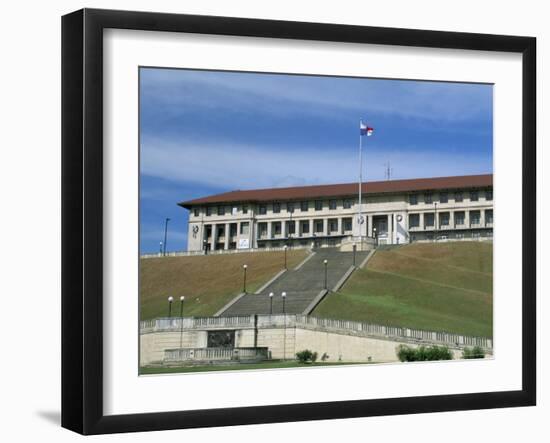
point(360, 211)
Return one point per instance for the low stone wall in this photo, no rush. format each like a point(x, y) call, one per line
point(214, 354)
point(285, 343)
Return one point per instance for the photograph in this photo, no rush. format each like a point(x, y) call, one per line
point(291, 221)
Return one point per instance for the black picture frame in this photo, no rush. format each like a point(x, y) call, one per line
point(82, 217)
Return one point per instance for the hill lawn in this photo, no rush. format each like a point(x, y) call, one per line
point(207, 282)
point(432, 286)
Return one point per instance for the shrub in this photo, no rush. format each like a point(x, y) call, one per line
point(475, 352)
point(423, 353)
point(325, 357)
point(306, 356)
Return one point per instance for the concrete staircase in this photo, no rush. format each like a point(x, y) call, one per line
point(304, 287)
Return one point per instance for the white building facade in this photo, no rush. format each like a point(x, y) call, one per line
point(392, 212)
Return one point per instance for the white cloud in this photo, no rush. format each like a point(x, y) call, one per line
point(234, 166)
point(284, 95)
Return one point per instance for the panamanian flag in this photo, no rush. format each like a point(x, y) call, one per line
point(365, 130)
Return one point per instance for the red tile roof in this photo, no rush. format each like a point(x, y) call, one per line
point(345, 189)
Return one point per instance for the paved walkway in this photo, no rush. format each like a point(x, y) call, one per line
point(301, 286)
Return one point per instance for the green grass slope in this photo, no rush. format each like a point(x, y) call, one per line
point(432, 286)
point(207, 282)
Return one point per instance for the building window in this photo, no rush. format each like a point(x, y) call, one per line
point(332, 204)
point(262, 230)
point(414, 220)
point(475, 217)
point(347, 203)
point(277, 228)
point(347, 224)
point(489, 216)
point(305, 227)
point(443, 197)
point(245, 209)
point(208, 211)
point(245, 227)
point(276, 208)
point(489, 194)
point(444, 218)
point(318, 226)
point(474, 196)
point(413, 199)
point(428, 198)
point(304, 206)
point(459, 218)
point(233, 229)
point(429, 219)
point(333, 225)
point(290, 207)
point(263, 209)
point(318, 205)
point(458, 197)
point(221, 210)
point(292, 227)
point(196, 212)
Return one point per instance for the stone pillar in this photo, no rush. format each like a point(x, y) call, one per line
point(325, 227)
point(311, 227)
point(390, 228)
point(369, 225)
point(214, 236)
point(227, 231)
point(340, 231)
point(421, 221)
point(269, 236)
point(451, 219)
point(284, 228)
point(482, 217)
point(467, 218)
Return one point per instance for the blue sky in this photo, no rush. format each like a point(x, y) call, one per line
point(207, 132)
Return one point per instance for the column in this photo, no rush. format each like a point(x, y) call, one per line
point(467, 218)
point(253, 233)
point(390, 228)
point(325, 227)
point(451, 219)
point(269, 230)
point(214, 236)
point(226, 231)
point(369, 225)
point(340, 225)
point(482, 217)
point(284, 228)
point(421, 221)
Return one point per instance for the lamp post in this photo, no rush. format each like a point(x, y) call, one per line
point(271, 303)
point(284, 328)
point(160, 248)
point(285, 248)
point(354, 250)
point(182, 298)
point(165, 233)
point(170, 300)
point(375, 237)
point(205, 246)
point(244, 278)
point(325, 262)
